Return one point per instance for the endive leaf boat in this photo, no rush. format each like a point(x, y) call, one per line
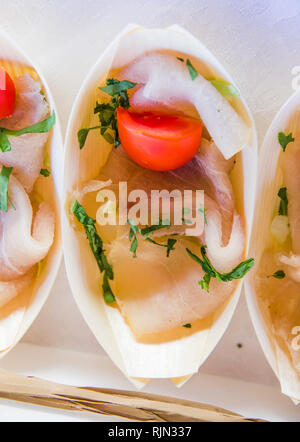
point(273, 290)
point(30, 180)
point(145, 304)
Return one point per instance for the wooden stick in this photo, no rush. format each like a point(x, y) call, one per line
point(126, 404)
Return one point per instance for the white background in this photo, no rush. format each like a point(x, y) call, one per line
point(257, 41)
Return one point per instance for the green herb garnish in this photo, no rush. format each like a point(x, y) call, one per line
point(284, 139)
point(4, 142)
point(193, 73)
point(96, 245)
point(187, 325)
point(38, 128)
point(226, 89)
point(45, 172)
point(146, 232)
point(82, 135)
point(210, 272)
point(4, 180)
point(283, 207)
point(223, 87)
point(280, 274)
point(107, 112)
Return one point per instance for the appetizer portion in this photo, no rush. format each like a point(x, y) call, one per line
point(174, 136)
point(27, 225)
point(277, 279)
point(160, 167)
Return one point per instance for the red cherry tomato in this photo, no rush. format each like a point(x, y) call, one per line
point(7, 95)
point(159, 141)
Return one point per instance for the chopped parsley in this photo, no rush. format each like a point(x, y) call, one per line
point(210, 272)
point(45, 172)
point(4, 181)
point(187, 325)
point(96, 245)
point(283, 207)
point(107, 112)
point(146, 232)
point(280, 274)
point(284, 140)
point(38, 128)
point(193, 73)
point(223, 87)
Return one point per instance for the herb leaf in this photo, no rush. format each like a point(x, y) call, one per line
point(284, 139)
point(280, 274)
point(226, 89)
point(223, 87)
point(4, 142)
point(96, 245)
point(283, 207)
point(107, 112)
point(187, 325)
point(115, 87)
point(45, 172)
point(170, 245)
point(4, 180)
point(210, 272)
point(239, 271)
point(108, 295)
point(193, 73)
point(82, 135)
point(146, 232)
point(38, 128)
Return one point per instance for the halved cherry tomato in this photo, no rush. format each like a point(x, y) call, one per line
point(159, 141)
point(7, 95)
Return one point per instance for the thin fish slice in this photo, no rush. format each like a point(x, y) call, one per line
point(27, 151)
point(224, 232)
point(11, 289)
point(290, 164)
point(25, 240)
point(171, 299)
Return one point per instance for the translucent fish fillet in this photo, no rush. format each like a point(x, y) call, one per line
point(282, 302)
point(210, 167)
point(11, 289)
point(167, 80)
point(24, 239)
point(171, 299)
point(290, 164)
point(291, 178)
point(209, 171)
point(27, 153)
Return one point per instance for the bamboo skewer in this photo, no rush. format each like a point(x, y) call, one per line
point(126, 404)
